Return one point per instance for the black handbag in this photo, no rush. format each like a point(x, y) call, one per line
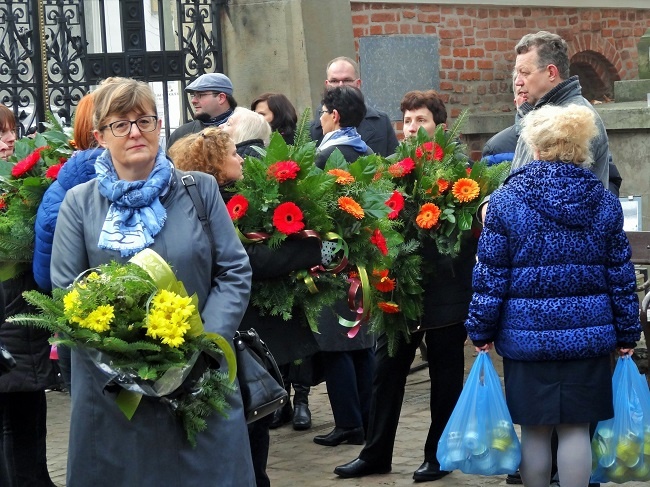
point(260, 380)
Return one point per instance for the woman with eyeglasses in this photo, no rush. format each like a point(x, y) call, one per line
point(7, 132)
point(138, 201)
point(348, 362)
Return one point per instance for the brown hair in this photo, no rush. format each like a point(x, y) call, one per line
point(425, 99)
point(83, 123)
point(204, 152)
point(7, 118)
point(561, 133)
point(119, 96)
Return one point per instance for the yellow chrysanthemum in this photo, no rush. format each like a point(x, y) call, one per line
point(465, 190)
point(99, 319)
point(71, 302)
point(93, 276)
point(168, 318)
point(350, 206)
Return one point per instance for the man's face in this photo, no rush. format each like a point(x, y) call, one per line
point(533, 81)
point(342, 73)
point(208, 104)
point(420, 117)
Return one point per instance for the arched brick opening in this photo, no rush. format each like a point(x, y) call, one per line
point(597, 75)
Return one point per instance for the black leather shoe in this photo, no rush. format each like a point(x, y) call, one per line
point(301, 416)
point(514, 478)
point(282, 416)
point(359, 468)
point(429, 471)
point(353, 436)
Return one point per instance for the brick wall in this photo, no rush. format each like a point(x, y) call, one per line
point(477, 43)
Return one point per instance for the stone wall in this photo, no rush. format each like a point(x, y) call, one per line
point(477, 43)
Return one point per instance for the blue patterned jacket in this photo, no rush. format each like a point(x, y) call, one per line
point(554, 279)
point(79, 169)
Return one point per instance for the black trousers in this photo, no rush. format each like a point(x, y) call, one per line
point(23, 446)
point(348, 377)
point(445, 353)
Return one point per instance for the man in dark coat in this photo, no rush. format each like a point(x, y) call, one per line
point(212, 101)
point(446, 301)
point(375, 129)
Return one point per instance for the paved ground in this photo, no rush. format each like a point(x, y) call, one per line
point(295, 460)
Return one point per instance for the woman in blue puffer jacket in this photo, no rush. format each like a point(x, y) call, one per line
point(554, 290)
point(78, 169)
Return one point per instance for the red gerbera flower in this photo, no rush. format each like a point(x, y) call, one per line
point(388, 307)
point(3, 205)
point(395, 203)
point(401, 168)
point(284, 170)
point(382, 282)
point(237, 207)
point(379, 241)
point(287, 218)
point(53, 171)
point(431, 150)
point(26, 164)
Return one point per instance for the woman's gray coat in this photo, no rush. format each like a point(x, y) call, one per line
point(106, 449)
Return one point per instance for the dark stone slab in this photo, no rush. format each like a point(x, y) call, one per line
point(393, 65)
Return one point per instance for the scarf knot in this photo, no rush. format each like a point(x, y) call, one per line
point(136, 214)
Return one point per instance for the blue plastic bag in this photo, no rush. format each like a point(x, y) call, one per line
point(621, 445)
point(479, 437)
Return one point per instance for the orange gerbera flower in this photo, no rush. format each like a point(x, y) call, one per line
point(465, 190)
point(342, 177)
point(428, 216)
point(383, 283)
point(388, 307)
point(443, 185)
point(350, 206)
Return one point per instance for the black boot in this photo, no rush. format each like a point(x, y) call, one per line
point(301, 413)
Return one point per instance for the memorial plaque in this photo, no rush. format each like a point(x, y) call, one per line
point(392, 65)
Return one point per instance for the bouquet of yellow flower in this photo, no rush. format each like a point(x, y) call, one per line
point(436, 196)
point(139, 326)
point(24, 178)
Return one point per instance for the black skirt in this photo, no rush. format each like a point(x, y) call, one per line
point(559, 391)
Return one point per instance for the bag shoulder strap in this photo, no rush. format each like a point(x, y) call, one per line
point(190, 185)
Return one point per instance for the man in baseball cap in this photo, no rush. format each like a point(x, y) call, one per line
point(211, 97)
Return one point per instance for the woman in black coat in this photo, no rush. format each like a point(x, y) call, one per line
point(288, 340)
point(348, 362)
point(23, 407)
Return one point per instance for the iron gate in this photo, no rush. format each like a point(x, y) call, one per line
point(53, 51)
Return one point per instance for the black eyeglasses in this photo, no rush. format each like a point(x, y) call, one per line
point(122, 128)
point(199, 95)
point(321, 111)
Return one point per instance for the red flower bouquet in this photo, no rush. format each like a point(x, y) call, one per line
point(436, 197)
point(23, 180)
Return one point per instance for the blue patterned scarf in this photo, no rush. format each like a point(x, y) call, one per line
point(136, 214)
point(344, 136)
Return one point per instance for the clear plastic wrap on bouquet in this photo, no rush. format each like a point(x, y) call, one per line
point(479, 437)
point(621, 445)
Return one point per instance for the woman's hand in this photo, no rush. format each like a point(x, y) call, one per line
point(485, 348)
point(625, 351)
